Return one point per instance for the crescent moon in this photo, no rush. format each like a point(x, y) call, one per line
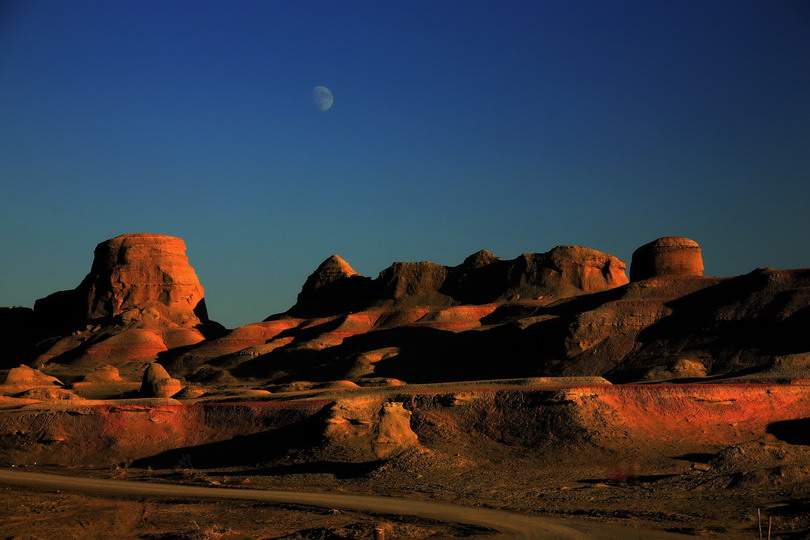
point(322, 98)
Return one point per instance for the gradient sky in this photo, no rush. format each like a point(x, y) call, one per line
point(456, 126)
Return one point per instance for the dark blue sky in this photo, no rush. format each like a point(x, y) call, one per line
point(456, 126)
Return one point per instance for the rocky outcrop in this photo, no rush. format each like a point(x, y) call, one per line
point(48, 394)
point(140, 298)
point(158, 383)
point(412, 283)
point(335, 288)
point(667, 256)
point(367, 429)
point(190, 392)
point(24, 378)
point(135, 278)
point(104, 373)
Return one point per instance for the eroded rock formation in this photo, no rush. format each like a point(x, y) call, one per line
point(369, 429)
point(140, 298)
point(482, 278)
point(25, 378)
point(667, 256)
point(158, 383)
point(134, 278)
point(568, 312)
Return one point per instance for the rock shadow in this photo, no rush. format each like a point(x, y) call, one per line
point(242, 450)
point(791, 431)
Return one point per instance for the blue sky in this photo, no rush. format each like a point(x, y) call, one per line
point(456, 126)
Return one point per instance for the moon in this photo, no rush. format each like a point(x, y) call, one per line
point(322, 98)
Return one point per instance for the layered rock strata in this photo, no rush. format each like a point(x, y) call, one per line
point(141, 297)
point(667, 256)
point(158, 383)
point(134, 278)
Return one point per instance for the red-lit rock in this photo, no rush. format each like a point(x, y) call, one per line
point(158, 383)
point(135, 278)
point(668, 256)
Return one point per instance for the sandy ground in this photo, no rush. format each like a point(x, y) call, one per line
point(507, 524)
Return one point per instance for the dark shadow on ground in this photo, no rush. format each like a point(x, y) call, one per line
point(696, 457)
point(791, 431)
point(243, 450)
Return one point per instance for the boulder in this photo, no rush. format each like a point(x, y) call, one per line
point(158, 383)
point(668, 256)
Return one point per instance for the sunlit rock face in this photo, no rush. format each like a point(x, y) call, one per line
point(134, 278)
point(158, 383)
point(140, 299)
point(667, 256)
point(142, 271)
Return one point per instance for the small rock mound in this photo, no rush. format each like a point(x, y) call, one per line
point(681, 369)
point(353, 427)
point(27, 377)
point(667, 256)
point(48, 394)
point(337, 385)
point(394, 433)
point(103, 374)
point(158, 383)
point(190, 392)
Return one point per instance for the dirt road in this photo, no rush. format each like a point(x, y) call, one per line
point(506, 523)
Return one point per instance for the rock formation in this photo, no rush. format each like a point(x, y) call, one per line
point(158, 383)
point(567, 312)
point(367, 429)
point(335, 288)
point(24, 378)
point(48, 394)
point(140, 298)
point(134, 278)
point(667, 256)
point(104, 373)
point(394, 434)
point(190, 392)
